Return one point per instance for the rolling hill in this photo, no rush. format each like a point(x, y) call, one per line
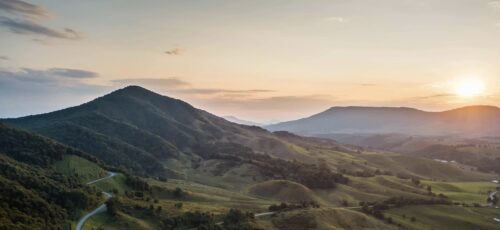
point(176, 159)
point(473, 121)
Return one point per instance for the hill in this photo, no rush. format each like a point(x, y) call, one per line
point(35, 194)
point(470, 121)
point(282, 190)
point(135, 129)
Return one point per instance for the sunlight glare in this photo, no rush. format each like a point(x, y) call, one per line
point(470, 87)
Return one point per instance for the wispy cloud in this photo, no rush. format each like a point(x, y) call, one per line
point(367, 84)
point(26, 21)
point(4, 58)
point(24, 8)
point(178, 86)
point(443, 95)
point(45, 76)
point(175, 51)
point(72, 73)
point(29, 91)
point(32, 28)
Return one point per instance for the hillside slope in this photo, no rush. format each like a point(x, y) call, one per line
point(136, 129)
point(34, 194)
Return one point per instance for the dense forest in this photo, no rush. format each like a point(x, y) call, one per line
point(34, 196)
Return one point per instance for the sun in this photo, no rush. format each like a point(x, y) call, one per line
point(470, 87)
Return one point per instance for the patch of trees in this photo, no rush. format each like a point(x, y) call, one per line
point(292, 206)
point(113, 205)
point(136, 183)
point(311, 175)
point(366, 173)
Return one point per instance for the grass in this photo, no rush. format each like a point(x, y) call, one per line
point(424, 168)
point(86, 170)
point(470, 192)
point(323, 218)
point(445, 217)
point(122, 221)
point(283, 191)
point(114, 183)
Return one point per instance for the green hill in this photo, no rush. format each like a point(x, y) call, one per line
point(136, 129)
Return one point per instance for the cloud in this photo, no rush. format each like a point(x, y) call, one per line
point(21, 97)
point(178, 86)
point(46, 76)
point(174, 52)
point(72, 73)
point(495, 4)
point(367, 84)
point(24, 8)
point(335, 19)
point(4, 58)
point(435, 96)
point(26, 27)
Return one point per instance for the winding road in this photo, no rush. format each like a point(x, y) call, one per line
point(99, 209)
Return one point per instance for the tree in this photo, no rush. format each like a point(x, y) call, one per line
point(178, 193)
point(112, 206)
point(345, 203)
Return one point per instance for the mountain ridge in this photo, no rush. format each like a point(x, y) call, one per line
point(476, 120)
point(137, 129)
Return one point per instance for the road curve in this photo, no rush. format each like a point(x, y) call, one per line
point(99, 209)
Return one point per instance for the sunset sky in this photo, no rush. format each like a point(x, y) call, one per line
point(259, 60)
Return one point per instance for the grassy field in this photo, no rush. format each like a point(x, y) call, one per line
point(86, 170)
point(122, 221)
point(323, 218)
point(445, 217)
point(469, 192)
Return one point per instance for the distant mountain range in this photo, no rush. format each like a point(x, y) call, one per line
point(469, 121)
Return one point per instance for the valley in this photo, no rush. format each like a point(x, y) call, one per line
point(178, 167)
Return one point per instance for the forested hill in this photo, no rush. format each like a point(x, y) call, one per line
point(33, 194)
point(137, 129)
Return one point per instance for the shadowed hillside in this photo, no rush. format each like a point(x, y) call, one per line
point(34, 193)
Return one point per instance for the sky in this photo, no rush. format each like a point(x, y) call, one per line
point(258, 60)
